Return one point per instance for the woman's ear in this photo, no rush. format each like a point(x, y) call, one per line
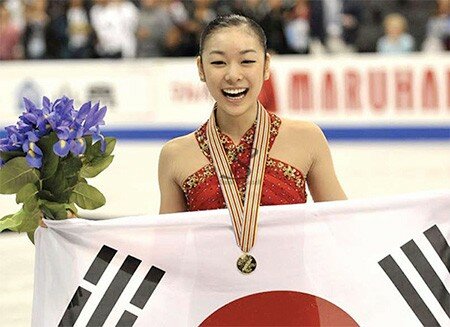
point(201, 73)
point(267, 67)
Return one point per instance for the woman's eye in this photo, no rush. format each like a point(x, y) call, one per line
point(249, 61)
point(218, 62)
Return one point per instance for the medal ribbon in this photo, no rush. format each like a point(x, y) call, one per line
point(244, 217)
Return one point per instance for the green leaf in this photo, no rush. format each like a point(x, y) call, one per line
point(71, 182)
point(53, 210)
point(6, 156)
point(88, 140)
point(21, 221)
point(71, 166)
point(31, 236)
point(15, 174)
point(8, 222)
point(30, 221)
point(92, 150)
point(50, 159)
point(46, 195)
point(27, 196)
point(96, 166)
point(110, 145)
point(87, 197)
point(57, 185)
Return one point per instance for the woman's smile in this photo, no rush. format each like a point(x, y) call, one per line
point(235, 94)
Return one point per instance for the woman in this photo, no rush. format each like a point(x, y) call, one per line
point(233, 62)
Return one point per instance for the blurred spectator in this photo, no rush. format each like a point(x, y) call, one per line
point(177, 11)
point(153, 24)
point(9, 36)
point(335, 25)
point(325, 24)
point(54, 29)
point(178, 42)
point(57, 40)
point(297, 27)
point(438, 28)
point(395, 40)
point(273, 25)
point(351, 18)
point(129, 16)
point(200, 14)
point(255, 9)
point(114, 23)
point(79, 31)
point(189, 18)
point(16, 10)
point(36, 29)
point(371, 26)
point(224, 7)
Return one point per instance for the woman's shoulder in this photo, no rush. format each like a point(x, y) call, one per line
point(300, 127)
point(302, 134)
point(180, 157)
point(179, 146)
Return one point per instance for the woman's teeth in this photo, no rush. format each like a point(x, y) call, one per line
point(235, 93)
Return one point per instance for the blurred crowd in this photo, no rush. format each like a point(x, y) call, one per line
point(80, 29)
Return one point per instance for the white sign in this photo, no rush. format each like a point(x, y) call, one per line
point(342, 90)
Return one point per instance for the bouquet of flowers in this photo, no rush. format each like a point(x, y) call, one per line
point(47, 157)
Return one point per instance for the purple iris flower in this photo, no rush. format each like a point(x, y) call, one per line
point(23, 127)
point(14, 140)
point(34, 153)
point(92, 124)
point(5, 145)
point(70, 126)
point(63, 109)
point(100, 138)
point(77, 143)
point(62, 147)
point(83, 112)
point(70, 140)
point(78, 146)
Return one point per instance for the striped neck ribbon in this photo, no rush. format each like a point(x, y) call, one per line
point(244, 216)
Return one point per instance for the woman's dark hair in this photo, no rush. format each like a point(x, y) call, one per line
point(230, 21)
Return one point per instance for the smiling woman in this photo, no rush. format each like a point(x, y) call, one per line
point(243, 153)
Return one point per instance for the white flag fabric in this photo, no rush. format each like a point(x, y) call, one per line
point(382, 262)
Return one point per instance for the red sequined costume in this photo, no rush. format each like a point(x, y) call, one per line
point(283, 184)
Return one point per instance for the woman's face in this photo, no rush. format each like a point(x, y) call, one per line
point(234, 67)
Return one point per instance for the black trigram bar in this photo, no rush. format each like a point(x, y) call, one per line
point(407, 291)
point(100, 264)
point(114, 291)
point(428, 274)
point(127, 320)
point(439, 243)
point(75, 306)
point(93, 275)
point(147, 287)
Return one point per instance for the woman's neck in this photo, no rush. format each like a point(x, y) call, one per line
point(235, 126)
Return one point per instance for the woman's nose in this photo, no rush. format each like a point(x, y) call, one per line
point(233, 74)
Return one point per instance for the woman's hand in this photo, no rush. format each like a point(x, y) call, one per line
point(70, 214)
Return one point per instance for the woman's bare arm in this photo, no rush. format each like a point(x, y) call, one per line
point(322, 181)
point(172, 196)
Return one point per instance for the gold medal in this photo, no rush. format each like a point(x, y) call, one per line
point(246, 263)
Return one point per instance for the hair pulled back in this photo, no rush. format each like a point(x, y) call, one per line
point(232, 21)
